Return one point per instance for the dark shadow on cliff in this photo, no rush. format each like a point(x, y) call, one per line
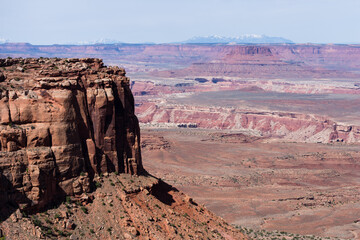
point(161, 192)
point(109, 164)
point(8, 198)
point(120, 130)
point(12, 199)
point(84, 131)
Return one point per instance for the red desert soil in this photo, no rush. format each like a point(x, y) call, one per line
point(303, 188)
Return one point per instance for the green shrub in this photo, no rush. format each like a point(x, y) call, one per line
point(85, 210)
point(98, 185)
point(48, 221)
point(49, 232)
point(37, 222)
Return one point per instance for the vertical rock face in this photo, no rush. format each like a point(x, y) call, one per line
point(62, 121)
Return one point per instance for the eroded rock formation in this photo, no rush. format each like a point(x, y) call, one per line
point(62, 121)
point(294, 127)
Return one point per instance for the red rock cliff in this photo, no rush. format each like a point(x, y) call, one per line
point(62, 121)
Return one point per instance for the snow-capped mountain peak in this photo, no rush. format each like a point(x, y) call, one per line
point(245, 38)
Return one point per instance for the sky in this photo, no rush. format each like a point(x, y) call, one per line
point(161, 21)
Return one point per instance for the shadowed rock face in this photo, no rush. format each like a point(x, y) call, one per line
point(62, 121)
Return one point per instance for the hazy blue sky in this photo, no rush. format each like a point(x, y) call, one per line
point(64, 21)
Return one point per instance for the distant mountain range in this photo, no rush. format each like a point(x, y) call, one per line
point(243, 39)
point(246, 38)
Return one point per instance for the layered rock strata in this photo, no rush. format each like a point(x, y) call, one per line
point(290, 61)
point(294, 127)
point(61, 122)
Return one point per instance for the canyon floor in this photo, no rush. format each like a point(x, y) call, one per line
point(266, 146)
point(301, 181)
point(301, 188)
point(222, 141)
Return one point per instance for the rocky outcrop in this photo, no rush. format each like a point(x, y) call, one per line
point(124, 207)
point(61, 122)
point(284, 126)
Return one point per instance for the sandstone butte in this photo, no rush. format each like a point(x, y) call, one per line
point(68, 129)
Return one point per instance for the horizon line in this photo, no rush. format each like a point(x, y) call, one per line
point(176, 43)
